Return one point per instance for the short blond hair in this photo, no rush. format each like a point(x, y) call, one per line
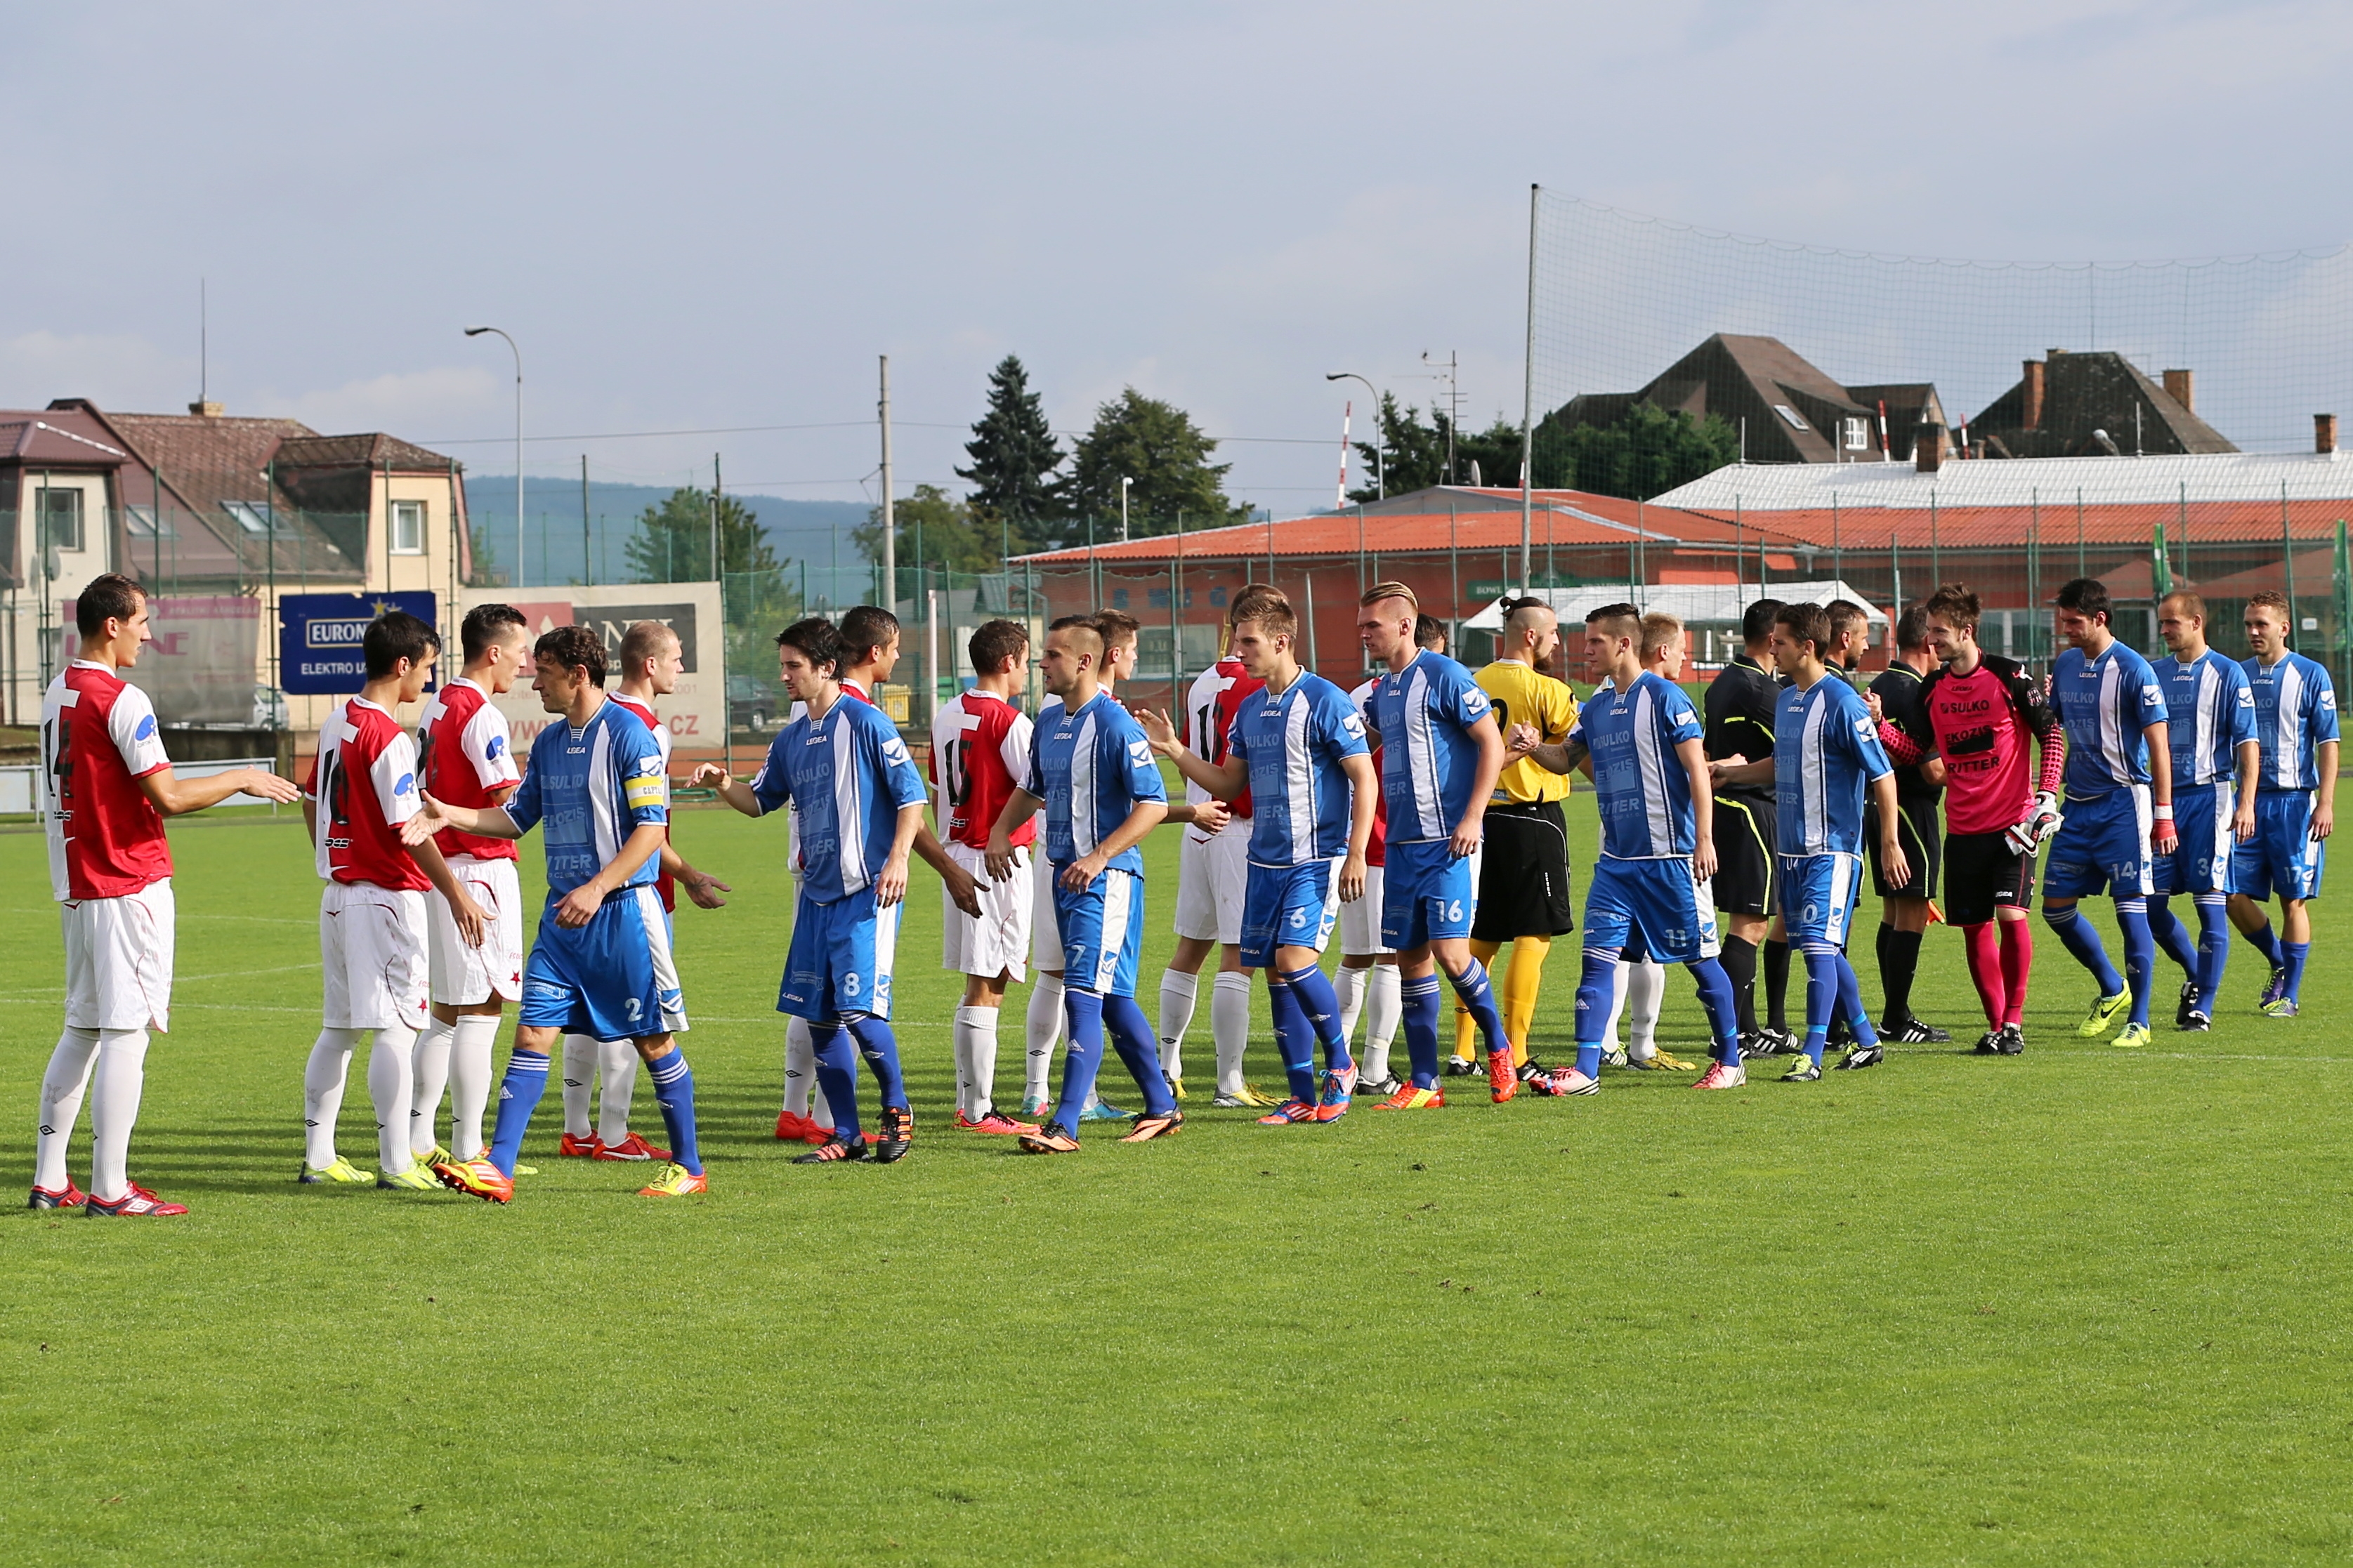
point(1379, 590)
point(1660, 630)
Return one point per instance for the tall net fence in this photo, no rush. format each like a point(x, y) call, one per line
point(1617, 298)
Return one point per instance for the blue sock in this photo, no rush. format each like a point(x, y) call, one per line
point(1822, 995)
point(519, 1094)
point(2213, 948)
point(1082, 1013)
point(2075, 934)
point(2267, 944)
point(837, 1073)
point(2173, 937)
point(1850, 1001)
point(1477, 995)
point(1722, 1009)
point(879, 1047)
point(1321, 1004)
point(1420, 1023)
point(2140, 954)
point(1597, 990)
point(1139, 1048)
point(2297, 952)
point(1293, 1039)
point(674, 1092)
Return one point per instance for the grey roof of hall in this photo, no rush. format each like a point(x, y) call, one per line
point(2021, 481)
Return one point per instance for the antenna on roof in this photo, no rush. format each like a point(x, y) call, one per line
point(204, 346)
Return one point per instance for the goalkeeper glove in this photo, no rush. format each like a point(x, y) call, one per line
point(2043, 820)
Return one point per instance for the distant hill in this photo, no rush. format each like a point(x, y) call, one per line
point(815, 531)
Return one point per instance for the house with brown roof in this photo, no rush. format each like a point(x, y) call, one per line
point(220, 516)
point(2091, 405)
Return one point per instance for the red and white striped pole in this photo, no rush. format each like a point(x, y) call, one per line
point(1340, 497)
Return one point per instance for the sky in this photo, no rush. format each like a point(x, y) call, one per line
point(713, 218)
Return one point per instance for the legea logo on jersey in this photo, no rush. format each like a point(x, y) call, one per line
point(1141, 752)
point(1352, 725)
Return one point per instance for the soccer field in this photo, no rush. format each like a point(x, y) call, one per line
point(2079, 1306)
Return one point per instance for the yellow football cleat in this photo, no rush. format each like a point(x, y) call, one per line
point(342, 1170)
point(2104, 1015)
point(415, 1179)
point(675, 1181)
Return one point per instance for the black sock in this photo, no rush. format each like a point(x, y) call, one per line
point(1899, 959)
point(1777, 984)
point(1739, 961)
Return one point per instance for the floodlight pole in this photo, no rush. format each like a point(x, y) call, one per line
point(1527, 405)
point(476, 333)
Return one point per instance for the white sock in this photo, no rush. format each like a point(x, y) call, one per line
point(322, 1093)
point(1646, 987)
point(617, 1071)
point(121, 1074)
point(392, 1079)
point(61, 1091)
point(1349, 986)
point(802, 1095)
point(432, 1059)
point(579, 1068)
point(975, 1057)
point(1045, 1022)
point(470, 1056)
point(1616, 1005)
point(1177, 990)
point(1383, 1012)
point(1230, 1002)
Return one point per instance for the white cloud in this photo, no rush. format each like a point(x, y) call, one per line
point(120, 371)
point(415, 403)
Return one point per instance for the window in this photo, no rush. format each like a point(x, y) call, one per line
point(1856, 431)
point(250, 517)
point(61, 520)
point(139, 521)
point(1789, 414)
point(408, 528)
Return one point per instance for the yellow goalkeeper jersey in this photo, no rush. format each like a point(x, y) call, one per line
point(1526, 696)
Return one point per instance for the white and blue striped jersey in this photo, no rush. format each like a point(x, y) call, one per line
point(1426, 715)
point(1639, 783)
point(2208, 713)
point(847, 776)
point(2106, 705)
point(1826, 751)
point(1091, 768)
point(1292, 741)
point(2296, 712)
point(587, 790)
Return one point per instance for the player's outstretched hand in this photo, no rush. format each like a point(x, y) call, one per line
point(708, 775)
point(270, 787)
point(1878, 708)
point(1524, 738)
point(700, 888)
point(1703, 859)
point(1211, 817)
point(425, 823)
point(964, 891)
point(1158, 731)
point(890, 887)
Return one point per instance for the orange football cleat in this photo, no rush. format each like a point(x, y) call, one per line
point(476, 1179)
point(633, 1147)
point(1503, 1080)
point(1408, 1097)
point(577, 1148)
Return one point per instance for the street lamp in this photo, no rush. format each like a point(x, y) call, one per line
point(476, 333)
point(1380, 478)
point(1123, 483)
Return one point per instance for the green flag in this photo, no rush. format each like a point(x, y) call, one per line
point(2160, 570)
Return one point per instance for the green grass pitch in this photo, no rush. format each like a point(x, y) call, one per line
point(2083, 1306)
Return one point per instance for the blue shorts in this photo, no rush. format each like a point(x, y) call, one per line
point(1288, 906)
point(1818, 893)
point(2283, 857)
point(598, 979)
point(1426, 893)
point(2103, 847)
point(1656, 906)
point(2202, 862)
point(841, 961)
point(1103, 932)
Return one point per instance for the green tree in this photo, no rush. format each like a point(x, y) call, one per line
point(1646, 453)
point(1156, 445)
point(935, 529)
point(673, 544)
point(1408, 455)
point(1014, 456)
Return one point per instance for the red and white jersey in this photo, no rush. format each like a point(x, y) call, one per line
point(465, 758)
point(1376, 852)
point(980, 749)
point(665, 884)
point(364, 784)
point(1218, 694)
point(97, 740)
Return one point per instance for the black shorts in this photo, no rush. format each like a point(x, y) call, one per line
point(1524, 874)
point(1984, 875)
point(1744, 857)
point(1922, 848)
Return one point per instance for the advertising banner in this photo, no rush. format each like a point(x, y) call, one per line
point(319, 652)
point(696, 712)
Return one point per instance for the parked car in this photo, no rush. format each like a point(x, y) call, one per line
point(754, 703)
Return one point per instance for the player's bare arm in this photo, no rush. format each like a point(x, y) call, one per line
point(1225, 779)
point(700, 886)
point(488, 821)
point(177, 796)
point(736, 792)
point(2250, 763)
point(963, 889)
point(1473, 825)
point(2323, 798)
point(462, 909)
point(1363, 785)
point(1694, 757)
point(1002, 857)
point(1891, 861)
point(891, 886)
point(1559, 757)
point(1210, 816)
point(1737, 770)
point(1080, 874)
point(2162, 838)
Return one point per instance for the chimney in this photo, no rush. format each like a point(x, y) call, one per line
point(2031, 396)
point(1928, 448)
point(205, 410)
point(2324, 433)
point(2178, 387)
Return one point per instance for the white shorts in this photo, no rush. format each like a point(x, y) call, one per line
point(372, 943)
point(999, 942)
point(119, 960)
point(1211, 878)
point(666, 986)
point(1360, 922)
point(463, 975)
point(1045, 931)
